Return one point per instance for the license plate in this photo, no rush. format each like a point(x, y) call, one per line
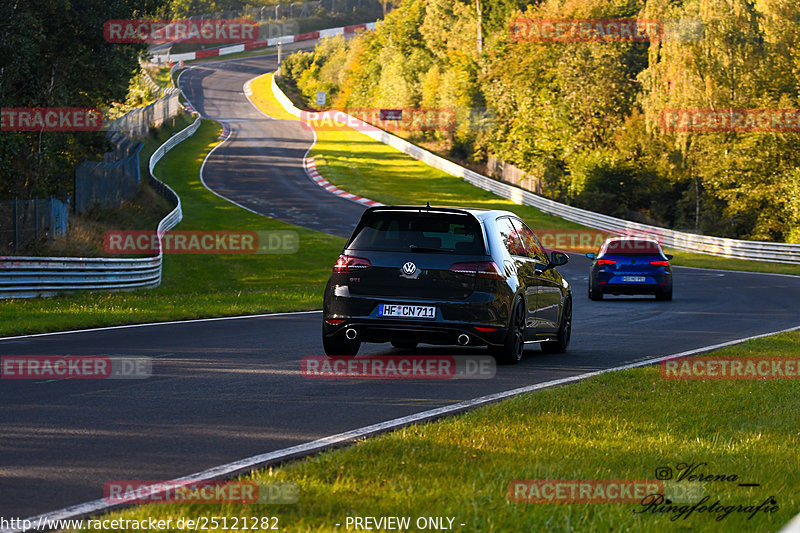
point(635, 279)
point(406, 311)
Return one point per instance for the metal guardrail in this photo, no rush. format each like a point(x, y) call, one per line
point(733, 248)
point(27, 277)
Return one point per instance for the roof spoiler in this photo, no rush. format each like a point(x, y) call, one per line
point(418, 209)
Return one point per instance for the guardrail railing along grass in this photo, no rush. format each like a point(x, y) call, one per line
point(27, 277)
point(718, 246)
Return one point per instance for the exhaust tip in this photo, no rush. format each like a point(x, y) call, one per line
point(463, 339)
point(350, 333)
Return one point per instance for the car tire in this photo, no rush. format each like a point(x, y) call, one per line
point(564, 332)
point(339, 346)
point(664, 295)
point(510, 352)
point(404, 345)
point(594, 294)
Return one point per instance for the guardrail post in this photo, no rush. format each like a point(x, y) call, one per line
point(16, 222)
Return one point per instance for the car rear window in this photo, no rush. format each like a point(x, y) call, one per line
point(630, 247)
point(421, 232)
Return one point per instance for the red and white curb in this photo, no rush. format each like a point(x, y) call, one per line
point(190, 108)
point(226, 131)
point(311, 170)
point(262, 43)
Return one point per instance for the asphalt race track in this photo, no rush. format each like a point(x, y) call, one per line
point(261, 165)
point(224, 390)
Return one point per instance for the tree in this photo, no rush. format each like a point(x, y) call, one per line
point(54, 55)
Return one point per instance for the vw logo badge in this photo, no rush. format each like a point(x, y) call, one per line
point(409, 268)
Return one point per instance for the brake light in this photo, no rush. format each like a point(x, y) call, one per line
point(602, 262)
point(660, 263)
point(485, 270)
point(349, 263)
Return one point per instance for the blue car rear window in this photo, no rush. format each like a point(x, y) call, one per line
point(632, 247)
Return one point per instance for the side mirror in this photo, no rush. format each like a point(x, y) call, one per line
point(558, 259)
point(669, 257)
point(590, 256)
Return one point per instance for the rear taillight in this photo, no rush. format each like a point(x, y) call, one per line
point(485, 269)
point(349, 263)
point(602, 262)
point(660, 263)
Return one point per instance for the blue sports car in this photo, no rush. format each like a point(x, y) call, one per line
point(630, 265)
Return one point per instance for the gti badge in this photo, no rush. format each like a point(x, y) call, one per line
point(410, 270)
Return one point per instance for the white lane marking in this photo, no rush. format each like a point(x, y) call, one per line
point(301, 450)
point(203, 165)
point(248, 93)
point(793, 526)
point(215, 193)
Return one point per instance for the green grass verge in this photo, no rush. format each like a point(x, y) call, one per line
point(157, 138)
point(195, 286)
point(262, 97)
point(621, 425)
point(160, 75)
point(361, 165)
point(682, 258)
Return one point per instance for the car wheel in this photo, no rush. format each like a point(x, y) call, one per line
point(594, 294)
point(564, 332)
point(404, 345)
point(339, 346)
point(510, 352)
point(664, 295)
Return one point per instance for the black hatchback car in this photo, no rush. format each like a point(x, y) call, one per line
point(446, 276)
